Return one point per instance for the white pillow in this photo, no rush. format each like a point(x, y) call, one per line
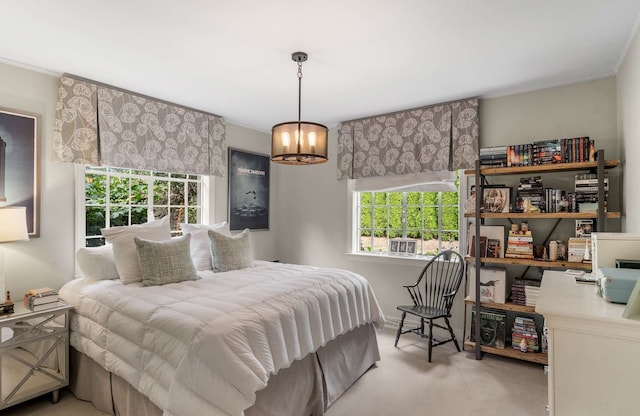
point(200, 243)
point(124, 248)
point(97, 263)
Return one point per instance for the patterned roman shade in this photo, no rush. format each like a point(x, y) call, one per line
point(75, 136)
point(101, 125)
point(436, 138)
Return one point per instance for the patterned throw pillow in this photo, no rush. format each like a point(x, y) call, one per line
point(230, 253)
point(124, 249)
point(163, 262)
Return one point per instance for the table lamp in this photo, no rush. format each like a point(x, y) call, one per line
point(13, 227)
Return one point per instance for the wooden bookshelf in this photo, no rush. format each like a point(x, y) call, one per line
point(542, 215)
point(509, 306)
point(553, 167)
point(533, 262)
point(534, 357)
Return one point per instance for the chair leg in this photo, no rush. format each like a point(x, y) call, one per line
point(404, 314)
point(422, 326)
point(430, 337)
point(453, 336)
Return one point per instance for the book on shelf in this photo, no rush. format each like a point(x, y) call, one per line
point(577, 246)
point(524, 328)
point(492, 328)
point(520, 245)
point(524, 292)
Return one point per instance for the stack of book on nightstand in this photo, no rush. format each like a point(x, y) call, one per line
point(41, 299)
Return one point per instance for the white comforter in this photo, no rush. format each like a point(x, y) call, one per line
point(207, 346)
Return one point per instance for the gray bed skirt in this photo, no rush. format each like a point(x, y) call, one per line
point(308, 387)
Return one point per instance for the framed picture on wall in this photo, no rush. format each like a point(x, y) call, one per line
point(248, 190)
point(20, 164)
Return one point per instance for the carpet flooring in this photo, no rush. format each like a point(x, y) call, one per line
point(403, 383)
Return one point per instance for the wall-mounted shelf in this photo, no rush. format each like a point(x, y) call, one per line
point(555, 167)
point(534, 357)
point(542, 215)
point(532, 262)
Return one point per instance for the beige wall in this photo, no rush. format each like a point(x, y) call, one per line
point(629, 126)
point(310, 209)
point(49, 260)
point(315, 213)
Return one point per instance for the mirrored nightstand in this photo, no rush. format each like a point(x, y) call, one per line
point(34, 353)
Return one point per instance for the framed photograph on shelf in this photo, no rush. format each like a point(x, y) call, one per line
point(248, 190)
point(584, 228)
point(487, 233)
point(493, 248)
point(20, 164)
point(411, 248)
point(393, 246)
point(402, 247)
point(496, 198)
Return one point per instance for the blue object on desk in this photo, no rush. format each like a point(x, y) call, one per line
point(616, 284)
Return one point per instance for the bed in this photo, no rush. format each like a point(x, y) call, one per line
point(272, 339)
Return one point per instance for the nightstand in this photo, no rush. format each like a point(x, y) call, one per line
point(34, 353)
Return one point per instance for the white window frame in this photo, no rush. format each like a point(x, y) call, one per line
point(80, 212)
point(355, 224)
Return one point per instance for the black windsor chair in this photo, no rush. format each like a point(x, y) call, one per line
point(433, 300)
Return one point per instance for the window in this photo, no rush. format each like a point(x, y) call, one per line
point(113, 196)
point(422, 222)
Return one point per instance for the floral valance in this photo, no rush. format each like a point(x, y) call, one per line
point(436, 138)
point(101, 125)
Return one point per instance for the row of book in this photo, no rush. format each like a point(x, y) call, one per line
point(525, 292)
point(520, 245)
point(532, 196)
point(568, 150)
point(579, 249)
point(41, 299)
point(524, 336)
point(524, 333)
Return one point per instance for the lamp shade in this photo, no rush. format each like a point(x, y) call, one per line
point(286, 148)
point(13, 224)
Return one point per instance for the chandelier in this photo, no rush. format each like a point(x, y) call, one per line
point(299, 142)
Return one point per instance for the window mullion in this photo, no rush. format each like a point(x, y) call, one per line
point(107, 200)
point(373, 219)
point(150, 195)
point(404, 215)
point(439, 221)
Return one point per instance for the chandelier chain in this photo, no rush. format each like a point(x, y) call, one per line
point(299, 93)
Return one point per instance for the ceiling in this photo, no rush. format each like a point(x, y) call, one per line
point(366, 57)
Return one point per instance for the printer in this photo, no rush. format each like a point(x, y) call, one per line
point(616, 283)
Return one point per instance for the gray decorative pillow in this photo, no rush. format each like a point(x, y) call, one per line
point(163, 262)
point(230, 253)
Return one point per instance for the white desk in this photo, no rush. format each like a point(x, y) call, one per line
point(594, 354)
